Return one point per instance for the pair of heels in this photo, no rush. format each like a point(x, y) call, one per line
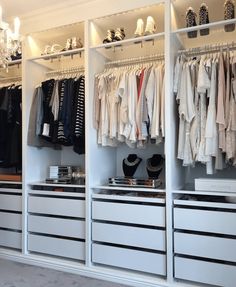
point(149, 30)
point(55, 48)
point(114, 35)
point(203, 19)
point(73, 43)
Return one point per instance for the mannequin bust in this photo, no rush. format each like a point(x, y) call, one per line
point(130, 164)
point(154, 165)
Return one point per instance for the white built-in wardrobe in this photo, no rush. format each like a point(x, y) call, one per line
point(126, 235)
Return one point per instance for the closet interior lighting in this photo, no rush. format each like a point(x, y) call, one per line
point(137, 60)
point(208, 49)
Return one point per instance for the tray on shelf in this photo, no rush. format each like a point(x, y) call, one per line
point(134, 182)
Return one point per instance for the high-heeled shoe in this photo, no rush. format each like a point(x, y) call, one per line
point(139, 29)
point(110, 36)
point(191, 22)
point(119, 34)
point(150, 26)
point(76, 43)
point(229, 7)
point(204, 19)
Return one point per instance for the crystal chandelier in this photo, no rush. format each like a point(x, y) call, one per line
point(10, 41)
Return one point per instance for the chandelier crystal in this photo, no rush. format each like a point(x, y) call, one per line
point(10, 41)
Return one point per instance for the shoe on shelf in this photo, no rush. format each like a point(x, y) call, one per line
point(229, 7)
point(191, 22)
point(204, 19)
point(110, 36)
point(47, 50)
point(139, 29)
point(119, 34)
point(56, 48)
point(150, 26)
point(76, 43)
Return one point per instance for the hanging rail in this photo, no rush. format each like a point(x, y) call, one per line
point(65, 71)
point(137, 60)
point(11, 79)
point(208, 49)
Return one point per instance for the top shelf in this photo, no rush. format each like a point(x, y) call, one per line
point(57, 55)
point(131, 41)
point(213, 25)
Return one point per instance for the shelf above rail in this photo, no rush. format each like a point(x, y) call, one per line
point(213, 25)
point(131, 41)
point(58, 55)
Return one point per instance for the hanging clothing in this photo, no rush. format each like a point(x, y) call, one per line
point(57, 114)
point(205, 91)
point(11, 127)
point(129, 105)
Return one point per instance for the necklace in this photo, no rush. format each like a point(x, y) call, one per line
point(150, 167)
point(133, 163)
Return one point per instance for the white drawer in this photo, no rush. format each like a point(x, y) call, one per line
point(10, 220)
point(205, 220)
point(205, 246)
point(129, 213)
point(10, 202)
point(56, 246)
point(57, 206)
point(130, 259)
point(56, 226)
point(10, 239)
point(205, 272)
point(129, 235)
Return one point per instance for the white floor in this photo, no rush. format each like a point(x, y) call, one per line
point(14, 274)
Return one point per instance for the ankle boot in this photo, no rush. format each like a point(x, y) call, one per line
point(119, 34)
point(229, 13)
point(203, 19)
point(150, 26)
point(191, 21)
point(139, 29)
point(110, 36)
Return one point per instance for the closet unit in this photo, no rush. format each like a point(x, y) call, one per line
point(203, 221)
point(162, 234)
point(121, 236)
point(55, 221)
point(11, 158)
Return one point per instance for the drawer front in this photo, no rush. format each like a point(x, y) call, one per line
point(205, 220)
point(56, 226)
point(129, 213)
point(10, 202)
point(131, 259)
point(205, 272)
point(10, 239)
point(129, 235)
point(10, 220)
point(205, 246)
point(57, 206)
point(56, 246)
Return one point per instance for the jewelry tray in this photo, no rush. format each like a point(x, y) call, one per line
point(134, 182)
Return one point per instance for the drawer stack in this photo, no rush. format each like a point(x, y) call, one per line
point(205, 241)
point(129, 233)
point(56, 224)
point(10, 215)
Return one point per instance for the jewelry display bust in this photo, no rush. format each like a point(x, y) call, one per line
point(154, 165)
point(130, 164)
